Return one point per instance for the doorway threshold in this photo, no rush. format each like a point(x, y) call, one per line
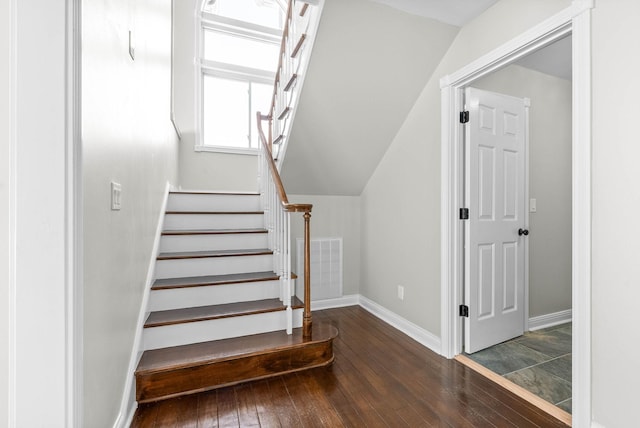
point(540, 403)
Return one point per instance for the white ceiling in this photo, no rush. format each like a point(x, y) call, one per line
point(454, 12)
point(554, 59)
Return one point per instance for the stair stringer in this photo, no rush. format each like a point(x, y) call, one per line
point(128, 404)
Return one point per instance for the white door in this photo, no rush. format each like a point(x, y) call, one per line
point(495, 191)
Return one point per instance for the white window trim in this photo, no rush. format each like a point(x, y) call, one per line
point(208, 21)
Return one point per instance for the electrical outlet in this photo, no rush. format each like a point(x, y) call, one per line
point(116, 193)
point(400, 292)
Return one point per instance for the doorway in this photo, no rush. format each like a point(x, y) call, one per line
point(540, 361)
point(574, 20)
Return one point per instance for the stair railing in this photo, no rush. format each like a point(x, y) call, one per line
point(300, 26)
point(277, 210)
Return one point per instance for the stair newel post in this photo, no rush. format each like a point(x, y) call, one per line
point(306, 323)
point(280, 252)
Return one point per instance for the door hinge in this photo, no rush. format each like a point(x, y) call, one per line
point(464, 213)
point(464, 116)
point(464, 311)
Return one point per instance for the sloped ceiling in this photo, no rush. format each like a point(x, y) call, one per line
point(455, 12)
point(369, 64)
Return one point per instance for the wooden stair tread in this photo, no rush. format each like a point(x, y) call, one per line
point(203, 313)
point(212, 231)
point(213, 253)
point(197, 281)
point(216, 212)
point(198, 353)
point(212, 192)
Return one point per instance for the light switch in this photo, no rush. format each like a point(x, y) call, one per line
point(533, 205)
point(116, 193)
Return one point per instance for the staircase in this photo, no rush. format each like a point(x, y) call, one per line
point(216, 311)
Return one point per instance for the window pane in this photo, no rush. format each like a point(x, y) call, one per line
point(237, 50)
point(260, 102)
point(225, 110)
point(261, 12)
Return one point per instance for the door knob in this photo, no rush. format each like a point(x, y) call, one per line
point(524, 232)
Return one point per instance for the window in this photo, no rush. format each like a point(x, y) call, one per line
point(238, 45)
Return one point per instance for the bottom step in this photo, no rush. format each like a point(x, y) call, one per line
point(187, 369)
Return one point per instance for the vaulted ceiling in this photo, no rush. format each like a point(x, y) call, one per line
point(369, 64)
point(454, 12)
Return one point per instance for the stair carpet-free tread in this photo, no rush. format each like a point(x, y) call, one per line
point(217, 212)
point(203, 313)
point(212, 231)
point(198, 281)
point(179, 370)
point(211, 192)
point(214, 253)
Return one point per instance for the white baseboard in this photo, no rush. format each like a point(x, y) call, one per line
point(549, 320)
point(128, 405)
point(338, 302)
point(422, 336)
point(594, 424)
point(417, 333)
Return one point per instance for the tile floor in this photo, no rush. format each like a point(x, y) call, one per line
point(539, 361)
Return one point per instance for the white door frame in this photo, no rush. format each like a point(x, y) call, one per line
point(575, 20)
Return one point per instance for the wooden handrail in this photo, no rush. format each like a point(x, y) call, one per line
point(288, 207)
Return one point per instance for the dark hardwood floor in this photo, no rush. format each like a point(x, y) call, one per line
point(380, 378)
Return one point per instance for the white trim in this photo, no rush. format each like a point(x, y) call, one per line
point(527, 151)
point(338, 302)
point(549, 320)
point(581, 231)
point(74, 233)
point(241, 28)
point(595, 424)
point(224, 149)
point(13, 65)
point(420, 335)
point(128, 404)
point(575, 19)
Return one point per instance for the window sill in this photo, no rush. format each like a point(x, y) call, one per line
point(228, 150)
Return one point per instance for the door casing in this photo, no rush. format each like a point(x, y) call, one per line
point(575, 20)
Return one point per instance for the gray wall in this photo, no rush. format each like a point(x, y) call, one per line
point(401, 201)
point(126, 137)
point(201, 170)
point(549, 182)
point(333, 217)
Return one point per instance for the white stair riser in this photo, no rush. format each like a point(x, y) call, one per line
point(177, 268)
point(176, 298)
point(213, 221)
point(212, 202)
point(224, 328)
point(236, 241)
